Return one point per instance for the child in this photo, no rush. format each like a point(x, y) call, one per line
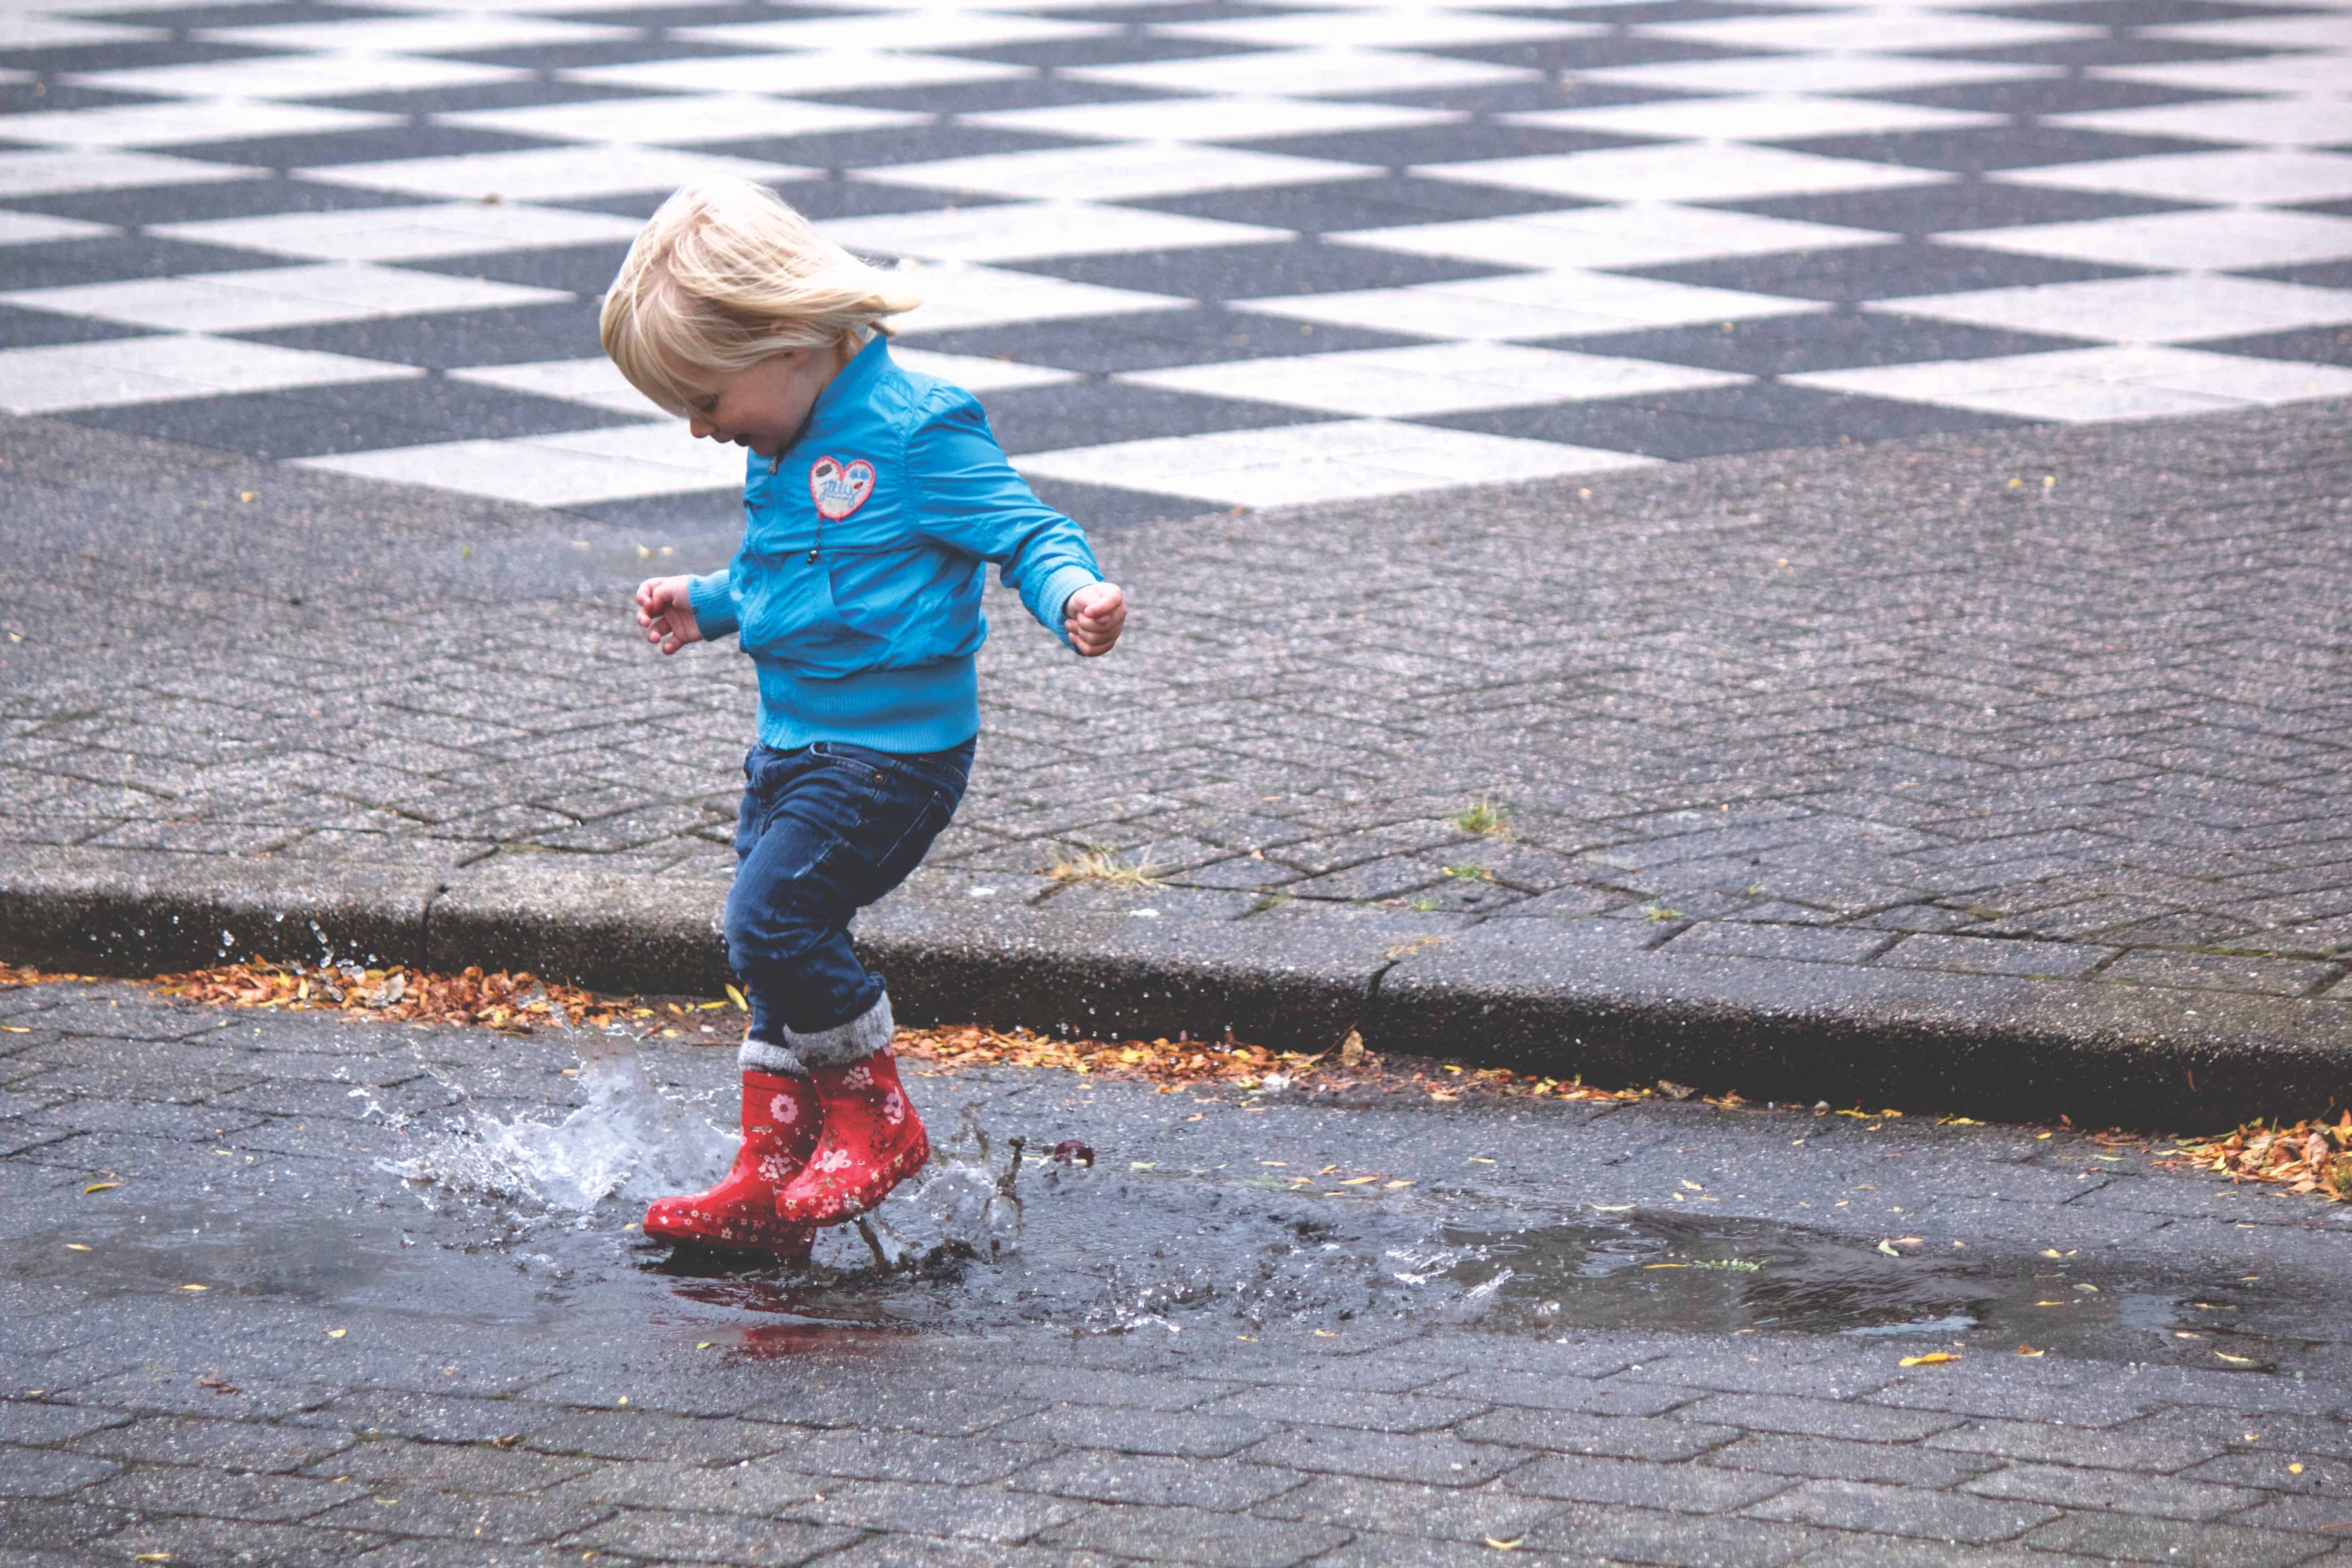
point(872, 500)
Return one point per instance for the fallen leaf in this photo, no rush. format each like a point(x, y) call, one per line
point(1933, 1358)
point(1665, 1266)
point(100, 1187)
point(1613, 1209)
point(737, 997)
point(1693, 1186)
point(336, 1333)
point(2030, 1350)
point(1357, 1180)
point(192, 1287)
point(1676, 1090)
point(2294, 1470)
point(218, 1384)
point(76, 1246)
point(2238, 1360)
point(1387, 1186)
point(1888, 1248)
point(1510, 1545)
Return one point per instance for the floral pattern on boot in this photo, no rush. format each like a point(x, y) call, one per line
point(869, 1140)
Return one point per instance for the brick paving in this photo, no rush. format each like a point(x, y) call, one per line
point(371, 1380)
point(2050, 704)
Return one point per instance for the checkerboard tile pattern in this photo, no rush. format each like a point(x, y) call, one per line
point(1190, 253)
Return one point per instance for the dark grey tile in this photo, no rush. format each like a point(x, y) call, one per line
point(2142, 12)
point(1151, 339)
point(2315, 274)
point(41, 96)
point(1110, 50)
point(2310, 346)
point(1761, 417)
point(1374, 202)
point(1522, 96)
point(1462, 143)
point(887, 145)
point(2047, 95)
point(355, 418)
point(1591, 54)
point(152, 205)
point(1093, 413)
point(1976, 149)
point(21, 329)
point(584, 269)
point(376, 145)
point(113, 258)
point(535, 93)
point(586, 55)
point(2076, 54)
point(1785, 345)
point(1879, 271)
point(517, 335)
point(818, 199)
point(1259, 271)
point(988, 97)
point(1101, 506)
point(1962, 205)
point(74, 60)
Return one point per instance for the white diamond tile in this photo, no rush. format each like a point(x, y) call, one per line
point(2309, 30)
point(1890, 28)
point(1638, 234)
point(1754, 117)
point(1397, 29)
point(1304, 73)
point(784, 75)
point(2308, 120)
point(1432, 378)
point(1528, 306)
point(162, 369)
point(43, 173)
point(1117, 171)
point(974, 373)
point(35, 228)
point(549, 173)
point(2274, 74)
point(174, 124)
point(1227, 119)
point(1824, 73)
point(1018, 231)
point(2089, 386)
point(678, 121)
point(1714, 172)
point(623, 464)
point(297, 77)
point(1302, 464)
point(2220, 240)
point(2165, 308)
point(27, 29)
point(957, 295)
point(937, 32)
point(2274, 175)
point(408, 234)
point(276, 297)
point(437, 35)
point(594, 382)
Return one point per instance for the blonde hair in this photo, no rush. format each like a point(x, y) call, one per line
point(726, 274)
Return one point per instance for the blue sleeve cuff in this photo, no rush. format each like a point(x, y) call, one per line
point(1054, 598)
point(713, 602)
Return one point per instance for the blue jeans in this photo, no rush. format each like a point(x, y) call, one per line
point(824, 831)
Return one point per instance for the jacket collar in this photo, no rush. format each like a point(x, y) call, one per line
point(849, 391)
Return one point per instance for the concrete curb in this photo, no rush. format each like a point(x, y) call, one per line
point(1562, 997)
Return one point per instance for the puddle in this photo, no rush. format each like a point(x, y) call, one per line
point(530, 1218)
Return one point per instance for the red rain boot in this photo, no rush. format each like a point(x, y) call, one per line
point(871, 1141)
point(738, 1215)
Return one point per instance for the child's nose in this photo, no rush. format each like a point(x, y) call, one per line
point(701, 429)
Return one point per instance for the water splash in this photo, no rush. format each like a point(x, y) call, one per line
point(629, 1141)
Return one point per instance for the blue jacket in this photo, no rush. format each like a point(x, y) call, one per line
point(857, 589)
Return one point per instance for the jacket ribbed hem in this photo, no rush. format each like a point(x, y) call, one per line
point(930, 708)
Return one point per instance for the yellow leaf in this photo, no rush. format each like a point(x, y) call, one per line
point(1613, 1209)
point(2294, 1470)
point(1357, 1180)
point(336, 1333)
point(76, 1246)
point(1389, 1185)
point(1325, 1334)
point(16, 1028)
point(703, 1346)
point(101, 1186)
point(192, 1287)
point(1933, 1358)
point(1693, 1186)
point(737, 997)
point(2030, 1350)
point(2239, 1360)
point(1510, 1545)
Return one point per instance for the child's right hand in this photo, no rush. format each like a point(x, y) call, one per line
point(666, 613)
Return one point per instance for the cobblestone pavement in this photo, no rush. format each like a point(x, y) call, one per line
point(2065, 704)
point(231, 1332)
point(1192, 253)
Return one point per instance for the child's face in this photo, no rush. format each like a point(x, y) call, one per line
point(763, 405)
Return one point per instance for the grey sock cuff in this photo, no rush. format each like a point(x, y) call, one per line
point(843, 1043)
point(760, 1056)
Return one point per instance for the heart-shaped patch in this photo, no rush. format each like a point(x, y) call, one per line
point(839, 488)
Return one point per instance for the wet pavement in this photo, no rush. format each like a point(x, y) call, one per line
point(291, 1289)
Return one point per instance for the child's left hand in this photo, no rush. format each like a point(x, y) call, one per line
point(1094, 616)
